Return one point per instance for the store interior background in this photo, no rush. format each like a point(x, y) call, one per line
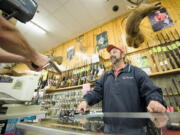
point(87, 45)
point(68, 25)
point(114, 28)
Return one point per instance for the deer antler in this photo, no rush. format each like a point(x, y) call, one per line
point(57, 59)
point(134, 36)
point(81, 46)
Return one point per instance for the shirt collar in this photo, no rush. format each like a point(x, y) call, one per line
point(126, 69)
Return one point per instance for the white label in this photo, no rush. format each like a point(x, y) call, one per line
point(147, 70)
point(40, 116)
point(161, 63)
point(86, 87)
point(95, 58)
point(165, 62)
point(101, 71)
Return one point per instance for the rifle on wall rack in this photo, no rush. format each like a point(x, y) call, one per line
point(177, 43)
point(158, 57)
point(168, 97)
point(177, 34)
point(175, 86)
point(167, 55)
point(175, 99)
point(165, 59)
point(171, 51)
point(154, 62)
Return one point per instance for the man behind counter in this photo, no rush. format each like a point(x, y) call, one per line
point(125, 88)
point(15, 48)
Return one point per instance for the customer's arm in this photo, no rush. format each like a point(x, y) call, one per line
point(6, 57)
point(13, 41)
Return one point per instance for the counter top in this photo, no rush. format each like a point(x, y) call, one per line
point(54, 127)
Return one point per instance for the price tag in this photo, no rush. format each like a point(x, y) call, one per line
point(150, 51)
point(75, 72)
point(174, 46)
point(101, 71)
point(159, 49)
point(81, 70)
point(166, 62)
point(40, 116)
point(161, 63)
point(88, 68)
point(147, 70)
point(95, 58)
point(164, 49)
point(169, 47)
point(178, 43)
point(154, 50)
point(86, 87)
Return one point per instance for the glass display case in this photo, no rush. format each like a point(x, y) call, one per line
point(92, 123)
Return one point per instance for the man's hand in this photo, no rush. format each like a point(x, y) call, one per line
point(82, 107)
point(158, 120)
point(155, 107)
point(14, 42)
point(40, 61)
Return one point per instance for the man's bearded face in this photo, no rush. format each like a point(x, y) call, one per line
point(115, 56)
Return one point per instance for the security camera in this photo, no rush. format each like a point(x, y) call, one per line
point(115, 8)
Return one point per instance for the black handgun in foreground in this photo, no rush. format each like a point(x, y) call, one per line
point(22, 10)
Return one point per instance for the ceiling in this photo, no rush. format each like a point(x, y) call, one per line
point(65, 19)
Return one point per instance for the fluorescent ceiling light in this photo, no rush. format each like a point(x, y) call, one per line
point(36, 28)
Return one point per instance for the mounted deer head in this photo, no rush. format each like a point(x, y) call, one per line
point(134, 37)
point(79, 40)
point(57, 59)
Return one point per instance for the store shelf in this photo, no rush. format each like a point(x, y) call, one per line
point(48, 129)
point(150, 47)
point(165, 72)
point(80, 86)
point(138, 50)
point(65, 88)
point(66, 126)
point(170, 94)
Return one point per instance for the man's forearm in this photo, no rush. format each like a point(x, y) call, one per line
point(6, 57)
point(12, 41)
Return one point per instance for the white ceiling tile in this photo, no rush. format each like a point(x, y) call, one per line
point(78, 11)
point(65, 19)
point(50, 5)
point(96, 8)
point(63, 2)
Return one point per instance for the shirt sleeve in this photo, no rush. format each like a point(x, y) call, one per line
point(96, 95)
point(147, 89)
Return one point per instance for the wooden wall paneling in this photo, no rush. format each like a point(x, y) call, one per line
point(95, 33)
point(173, 8)
point(109, 28)
point(151, 64)
point(88, 42)
point(111, 37)
point(116, 31)
point(116, 34)
point(121, 27)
